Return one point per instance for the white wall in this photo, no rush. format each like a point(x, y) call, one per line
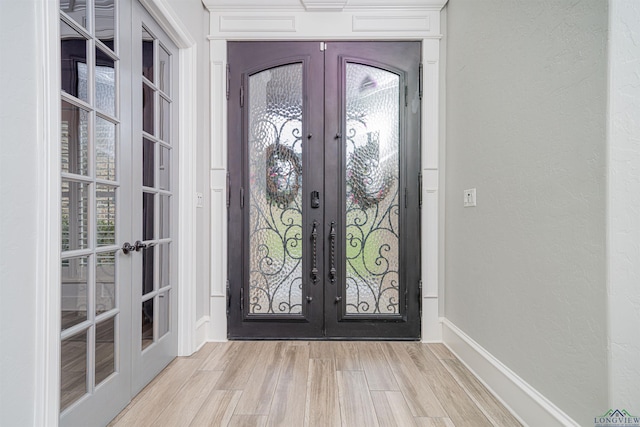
point(526, 125)
point(195, 18)
point(20, 178)
point(624, 205)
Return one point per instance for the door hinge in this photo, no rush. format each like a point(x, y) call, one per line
point(242, 299)
point(420, 298)
point(323, 46)
point(228, 297)
point(420, 190)
point(420, 80)
point(406, 96)
point(242, 93)
point(228, 189)
point(241, 197)
point(228, 81)
point(406, 198)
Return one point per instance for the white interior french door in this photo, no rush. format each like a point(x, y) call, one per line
point(155, 84)
point(118, 269)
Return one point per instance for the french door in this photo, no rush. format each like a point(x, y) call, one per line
point(118, 323)
point(324, 190)
point(154, 156)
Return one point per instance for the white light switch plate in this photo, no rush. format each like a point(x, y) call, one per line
point(199, 200)
point(469, 198)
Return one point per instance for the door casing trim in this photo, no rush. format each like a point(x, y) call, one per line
point(230, 21)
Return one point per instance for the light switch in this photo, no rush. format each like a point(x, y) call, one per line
point(469, 198)
point(199, 200)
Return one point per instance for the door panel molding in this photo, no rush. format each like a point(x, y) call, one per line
point(340, 19)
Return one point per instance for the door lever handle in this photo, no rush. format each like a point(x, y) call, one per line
point(314, 261)
point(139, 245)
point(332, 239)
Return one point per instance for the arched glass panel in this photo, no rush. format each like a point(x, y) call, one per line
point(275, 182)
point(372, 178)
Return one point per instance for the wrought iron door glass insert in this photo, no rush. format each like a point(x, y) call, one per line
point(275, 182)
point(372, 178)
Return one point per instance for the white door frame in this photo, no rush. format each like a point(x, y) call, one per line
point(47, 263)
point(326, 20)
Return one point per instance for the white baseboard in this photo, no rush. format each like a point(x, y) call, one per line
point(202, 332)
point(525, 402)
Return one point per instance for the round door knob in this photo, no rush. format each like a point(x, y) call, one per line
point(128, 247)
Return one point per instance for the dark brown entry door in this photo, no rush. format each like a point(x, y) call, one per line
point(324, 159)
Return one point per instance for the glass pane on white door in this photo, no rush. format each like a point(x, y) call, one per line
point(154, 136)
point(91, 215)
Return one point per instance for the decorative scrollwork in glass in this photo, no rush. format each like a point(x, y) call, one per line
point(369, 184)
point(372, 179)
point(284, 174)
point(275, 204)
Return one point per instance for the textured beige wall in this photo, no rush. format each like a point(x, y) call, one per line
point(526, 101)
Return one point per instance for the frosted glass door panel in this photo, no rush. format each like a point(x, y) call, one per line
point(372, 176)
point(275, 202)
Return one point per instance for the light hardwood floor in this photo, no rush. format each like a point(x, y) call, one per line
point(317, 383)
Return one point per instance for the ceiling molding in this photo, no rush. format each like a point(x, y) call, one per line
point(321, 5)
point(324, 5)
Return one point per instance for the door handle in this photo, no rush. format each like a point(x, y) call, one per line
point(314, 249)
point(136, 247)
point(332, 255)
point(128, 247)
point(139, 245)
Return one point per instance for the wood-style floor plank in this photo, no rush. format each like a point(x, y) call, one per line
point(356, 406)
point(376, 367)
point(287, 407)
point(347, 356)
point(392, 409)
point(153, 399)
point(487, 403)
point(302, 383)
point(322, 408)
point(217, 408)
point(205, 351)
point(248, 421)
point(321, 350)
point(420, 398)
point(221, 356)
point(185, 405)
point(256, 398)
point(455, 401)
point(441, 351)
point(434, 422)
point(238, 369)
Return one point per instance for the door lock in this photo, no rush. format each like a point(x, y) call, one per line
point(315, 199)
